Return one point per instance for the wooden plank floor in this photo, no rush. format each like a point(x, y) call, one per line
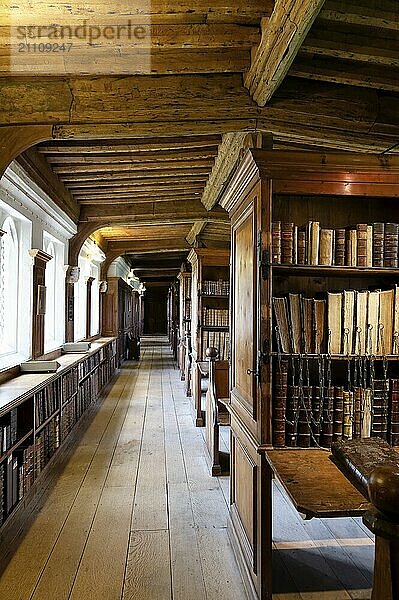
point(136, 516)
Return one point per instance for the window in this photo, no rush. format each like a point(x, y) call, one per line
point(15, 287)
point(89, 261)
point(9, 288)
point(54, 324)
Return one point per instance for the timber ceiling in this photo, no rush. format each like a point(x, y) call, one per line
point(144, 157)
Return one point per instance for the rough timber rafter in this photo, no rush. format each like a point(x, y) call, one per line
point(195, 231)
point(282, 36)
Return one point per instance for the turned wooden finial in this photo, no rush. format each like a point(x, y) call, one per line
point(383, 489)
point(212, 353)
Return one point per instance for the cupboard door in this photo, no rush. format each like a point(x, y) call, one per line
point(244, 364)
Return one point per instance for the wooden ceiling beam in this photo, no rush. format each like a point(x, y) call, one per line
point(191, 210)
point(133, 157)
point(136, 198)
point(130, 145)
point(346, 72)
point(139, 166)
point(136, 176)
point(158, 245)
point(144, 184)
point(381, 15)
point(140, 191)
point(196, 231)
point(282, 36)
point(343, 47)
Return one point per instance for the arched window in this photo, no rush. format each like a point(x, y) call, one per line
point(51, 295)
point(9, 277)
point(54, 322)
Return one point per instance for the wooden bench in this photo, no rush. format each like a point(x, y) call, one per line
point(216, 411)
point(317, 488)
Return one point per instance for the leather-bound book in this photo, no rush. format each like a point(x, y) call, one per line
point(320, 337)
point(334, 320)
point(357, 411)
point(308, 324)
point(276, 242)
point(373, 311)
point(301, 252)
point(280, 404)
point(386, 322)
point(347, 430)
point(359, 458)
point(287, 242)
point(394, 413)
point(326, 250)
point(291, 427)
point(305, 416)
point(359, 346)
point(313, 242)
point(395, 334)
point(282, 322)
point(391, 245)
point(295, 321)
point(340, 247)
point(316, 415)
point(379, 422)
point(365, 430)
point(361, 233)
point(328, 418)
point(338, 413)
point(351, 247)
point(348, 316)
point(378, 244)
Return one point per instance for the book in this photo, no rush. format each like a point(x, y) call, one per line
point(340, 247)
point(327, 418)
point(276, 242)
point(357, 411)
point(320, 337)
point(385, 324)
point(326, 250)
point(291, 428)
point(282, 323)
point(379, 422)
point(365, 429)
point(361, 323)
point(394, 413)
point(301, 252)
point(378, 244)
point(314, 242)
point(296, 323)
point(395, 333)
point(369, 248)
point(373, 311)
point(391, 245)
point(334, 322)
point(347, 430)
point(338, 413)
point(316, 415)
point(348, 301)
point(280, 405)
point(307, 324)
point(361, 457)
point(361, 244)
point(287, 242)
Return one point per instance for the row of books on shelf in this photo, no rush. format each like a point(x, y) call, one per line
point(215, 317)
point(361, 245)
point(216, 339)
point(187, 288)
point(347, 322)
point(216, 288)
point(310, 415)
point(8, 431)
point(187, 310)
point(69, 383)
point(47, 401)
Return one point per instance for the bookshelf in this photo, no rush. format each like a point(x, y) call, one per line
point(304, 384)
point(184, 278)
point(209, 299)
point(121, 317)
point(173, 318)
point(39, 413)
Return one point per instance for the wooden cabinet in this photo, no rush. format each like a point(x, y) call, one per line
point(173, 317)
point(336, 191)
point(121, 317)
point(184, 278)
point(209, 313)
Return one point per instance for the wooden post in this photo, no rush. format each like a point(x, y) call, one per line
point(40, 260)
point(89, 284)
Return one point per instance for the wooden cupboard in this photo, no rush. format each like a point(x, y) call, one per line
point(121, 317)
point(184, 278)
point(336, 190)
point(209, 298)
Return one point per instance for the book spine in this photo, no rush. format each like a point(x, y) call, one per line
point(287, 242)
point(280, 405)
point(391, 245)
point(378, 244)
point(361, 233)
point(357, 411)
point(394, 413)
point(338, 414)
point(316, 415)
point(291, 430)
point(348, 415)
point(301, 252)
point(379, 424)
point(328, 415)
point(340, 238)
point(276, 242)
point(366, 414)
point(304, 417)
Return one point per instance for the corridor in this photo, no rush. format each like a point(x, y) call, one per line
point(135, 514)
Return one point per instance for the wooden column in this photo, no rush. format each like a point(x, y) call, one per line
point(72, 277)
point(89, 284)
point(40, 260)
